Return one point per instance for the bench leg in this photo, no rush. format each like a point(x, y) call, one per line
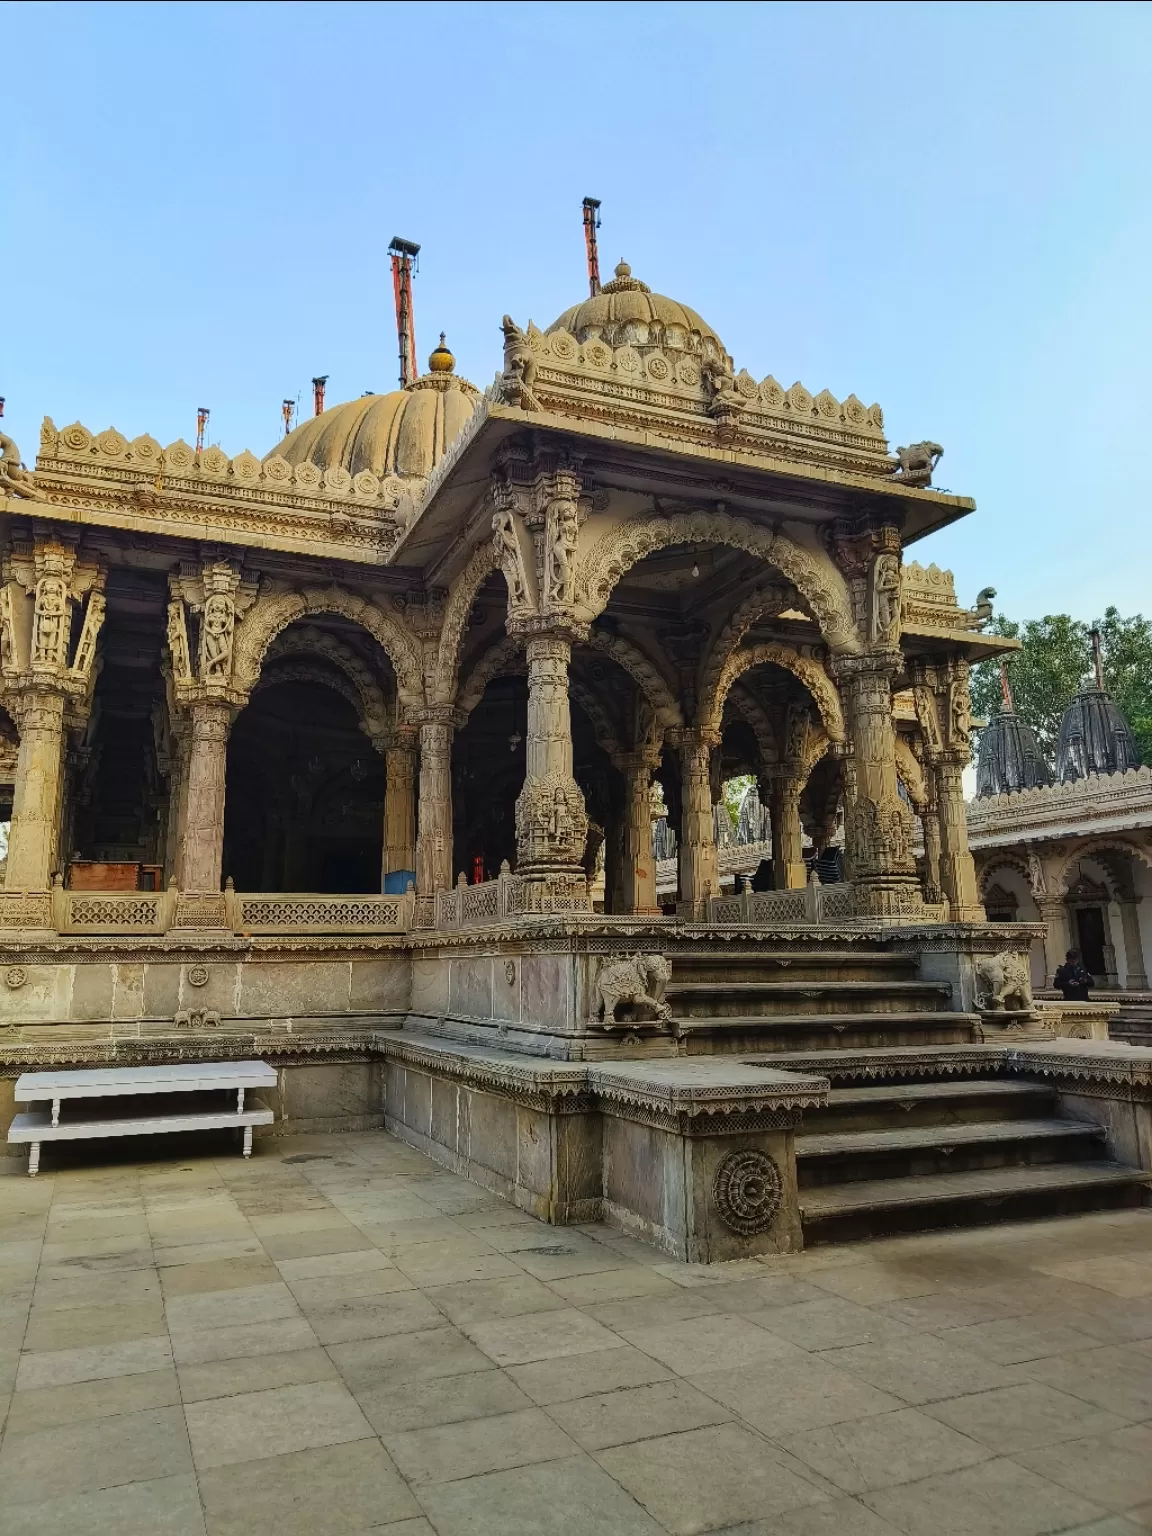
point(33, 1159)
point(55, 1111)
point(247, 1141)
point(239, 1101)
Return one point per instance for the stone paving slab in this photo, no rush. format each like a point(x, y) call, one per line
point(341, 1338)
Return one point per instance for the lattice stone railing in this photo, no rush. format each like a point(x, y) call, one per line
point(293, 913)
point(814, 904)
point(112, 911)
point(466, 906)
point(229, 911)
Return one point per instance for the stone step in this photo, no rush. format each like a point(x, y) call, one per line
point(846, 1212)
point(923, 1151)
point(799, 964)
point(813, 1033)
point(932, 1104)
point(693, 998)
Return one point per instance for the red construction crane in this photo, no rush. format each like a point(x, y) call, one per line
point(202, 414)
point(404, 254)
point(591, 225)
point(287, 411)
point(318, 394)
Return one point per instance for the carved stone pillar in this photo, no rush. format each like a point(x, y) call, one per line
point(930, 823)
point(434, 810)
point(1135, 976)
point(957, 871)
point(699, 864)
point(202, 832)
point(639, 872)
point(36, 796)
point(878, 823)
point(1054, 915)
point(48, 678)
point(551, 821)
point(399, 865)
point(788, 869)
point(177, 798)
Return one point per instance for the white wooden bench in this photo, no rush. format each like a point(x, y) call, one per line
point(119, 1083)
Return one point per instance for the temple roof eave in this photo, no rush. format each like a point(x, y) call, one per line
point(824, 492)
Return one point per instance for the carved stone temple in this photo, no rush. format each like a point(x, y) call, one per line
point(314, 757)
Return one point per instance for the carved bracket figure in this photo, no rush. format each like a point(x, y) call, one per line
point(15, 480)
point(519, 368)
point(917, 463)
point(636, 979)
point(1004, 983)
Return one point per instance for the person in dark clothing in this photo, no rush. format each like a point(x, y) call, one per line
point(1072, 979)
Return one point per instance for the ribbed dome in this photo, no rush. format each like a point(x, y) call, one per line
point(627, 311)
point(402, 433)
point(1009, 757)
point(1094, 738)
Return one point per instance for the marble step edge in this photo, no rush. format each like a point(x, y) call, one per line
point(925, 1018)
point(910, 1094)
point(940, 1138)
point(830, 1200)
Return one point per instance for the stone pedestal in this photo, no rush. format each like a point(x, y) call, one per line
point(36, 801)
point(399, 862)
point(1009, 1024)
point(699, 864)
point(202, 834)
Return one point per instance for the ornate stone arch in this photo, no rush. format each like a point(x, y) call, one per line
point(461, 597)
point(607, 730)
point(308, 672)
point(1093, 848)
point(505, 658)
point(998, 860)
point(745, 703)
point(367, 695)
point(814, 575)
point(270, 615)
point(743, 617)
point(809, 671)
point(911, 774)
point(644, 673)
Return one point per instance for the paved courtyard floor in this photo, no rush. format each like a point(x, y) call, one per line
point(339, 1337)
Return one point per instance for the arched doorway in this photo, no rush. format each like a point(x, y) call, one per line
point(305, 802)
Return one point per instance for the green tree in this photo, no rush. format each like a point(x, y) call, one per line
point(1056, 661)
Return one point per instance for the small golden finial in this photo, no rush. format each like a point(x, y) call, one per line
point(623, 269)
point(442, 360)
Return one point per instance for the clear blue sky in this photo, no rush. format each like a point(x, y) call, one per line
point(945, 208)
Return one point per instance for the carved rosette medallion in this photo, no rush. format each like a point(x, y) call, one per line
point(747, 1191)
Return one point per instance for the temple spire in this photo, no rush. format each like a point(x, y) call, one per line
point(1097, 659)
point(1005, 687)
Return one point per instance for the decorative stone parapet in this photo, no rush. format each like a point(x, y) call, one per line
point(695, 1156)
point(141, 913)
point(1113, 802)
point(814, 903)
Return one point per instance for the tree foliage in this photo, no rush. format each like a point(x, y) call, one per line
point(1056, 662)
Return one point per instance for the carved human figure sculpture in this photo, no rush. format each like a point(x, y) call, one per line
point(561, 535)
point(216, 633)
point(50, 631)
point(511, 560)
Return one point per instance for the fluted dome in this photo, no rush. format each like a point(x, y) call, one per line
point(401, 433)
point(627, 311)
point(1094, 738)
point(1009, 757)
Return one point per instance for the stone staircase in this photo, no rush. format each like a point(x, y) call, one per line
point(928, 1147)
